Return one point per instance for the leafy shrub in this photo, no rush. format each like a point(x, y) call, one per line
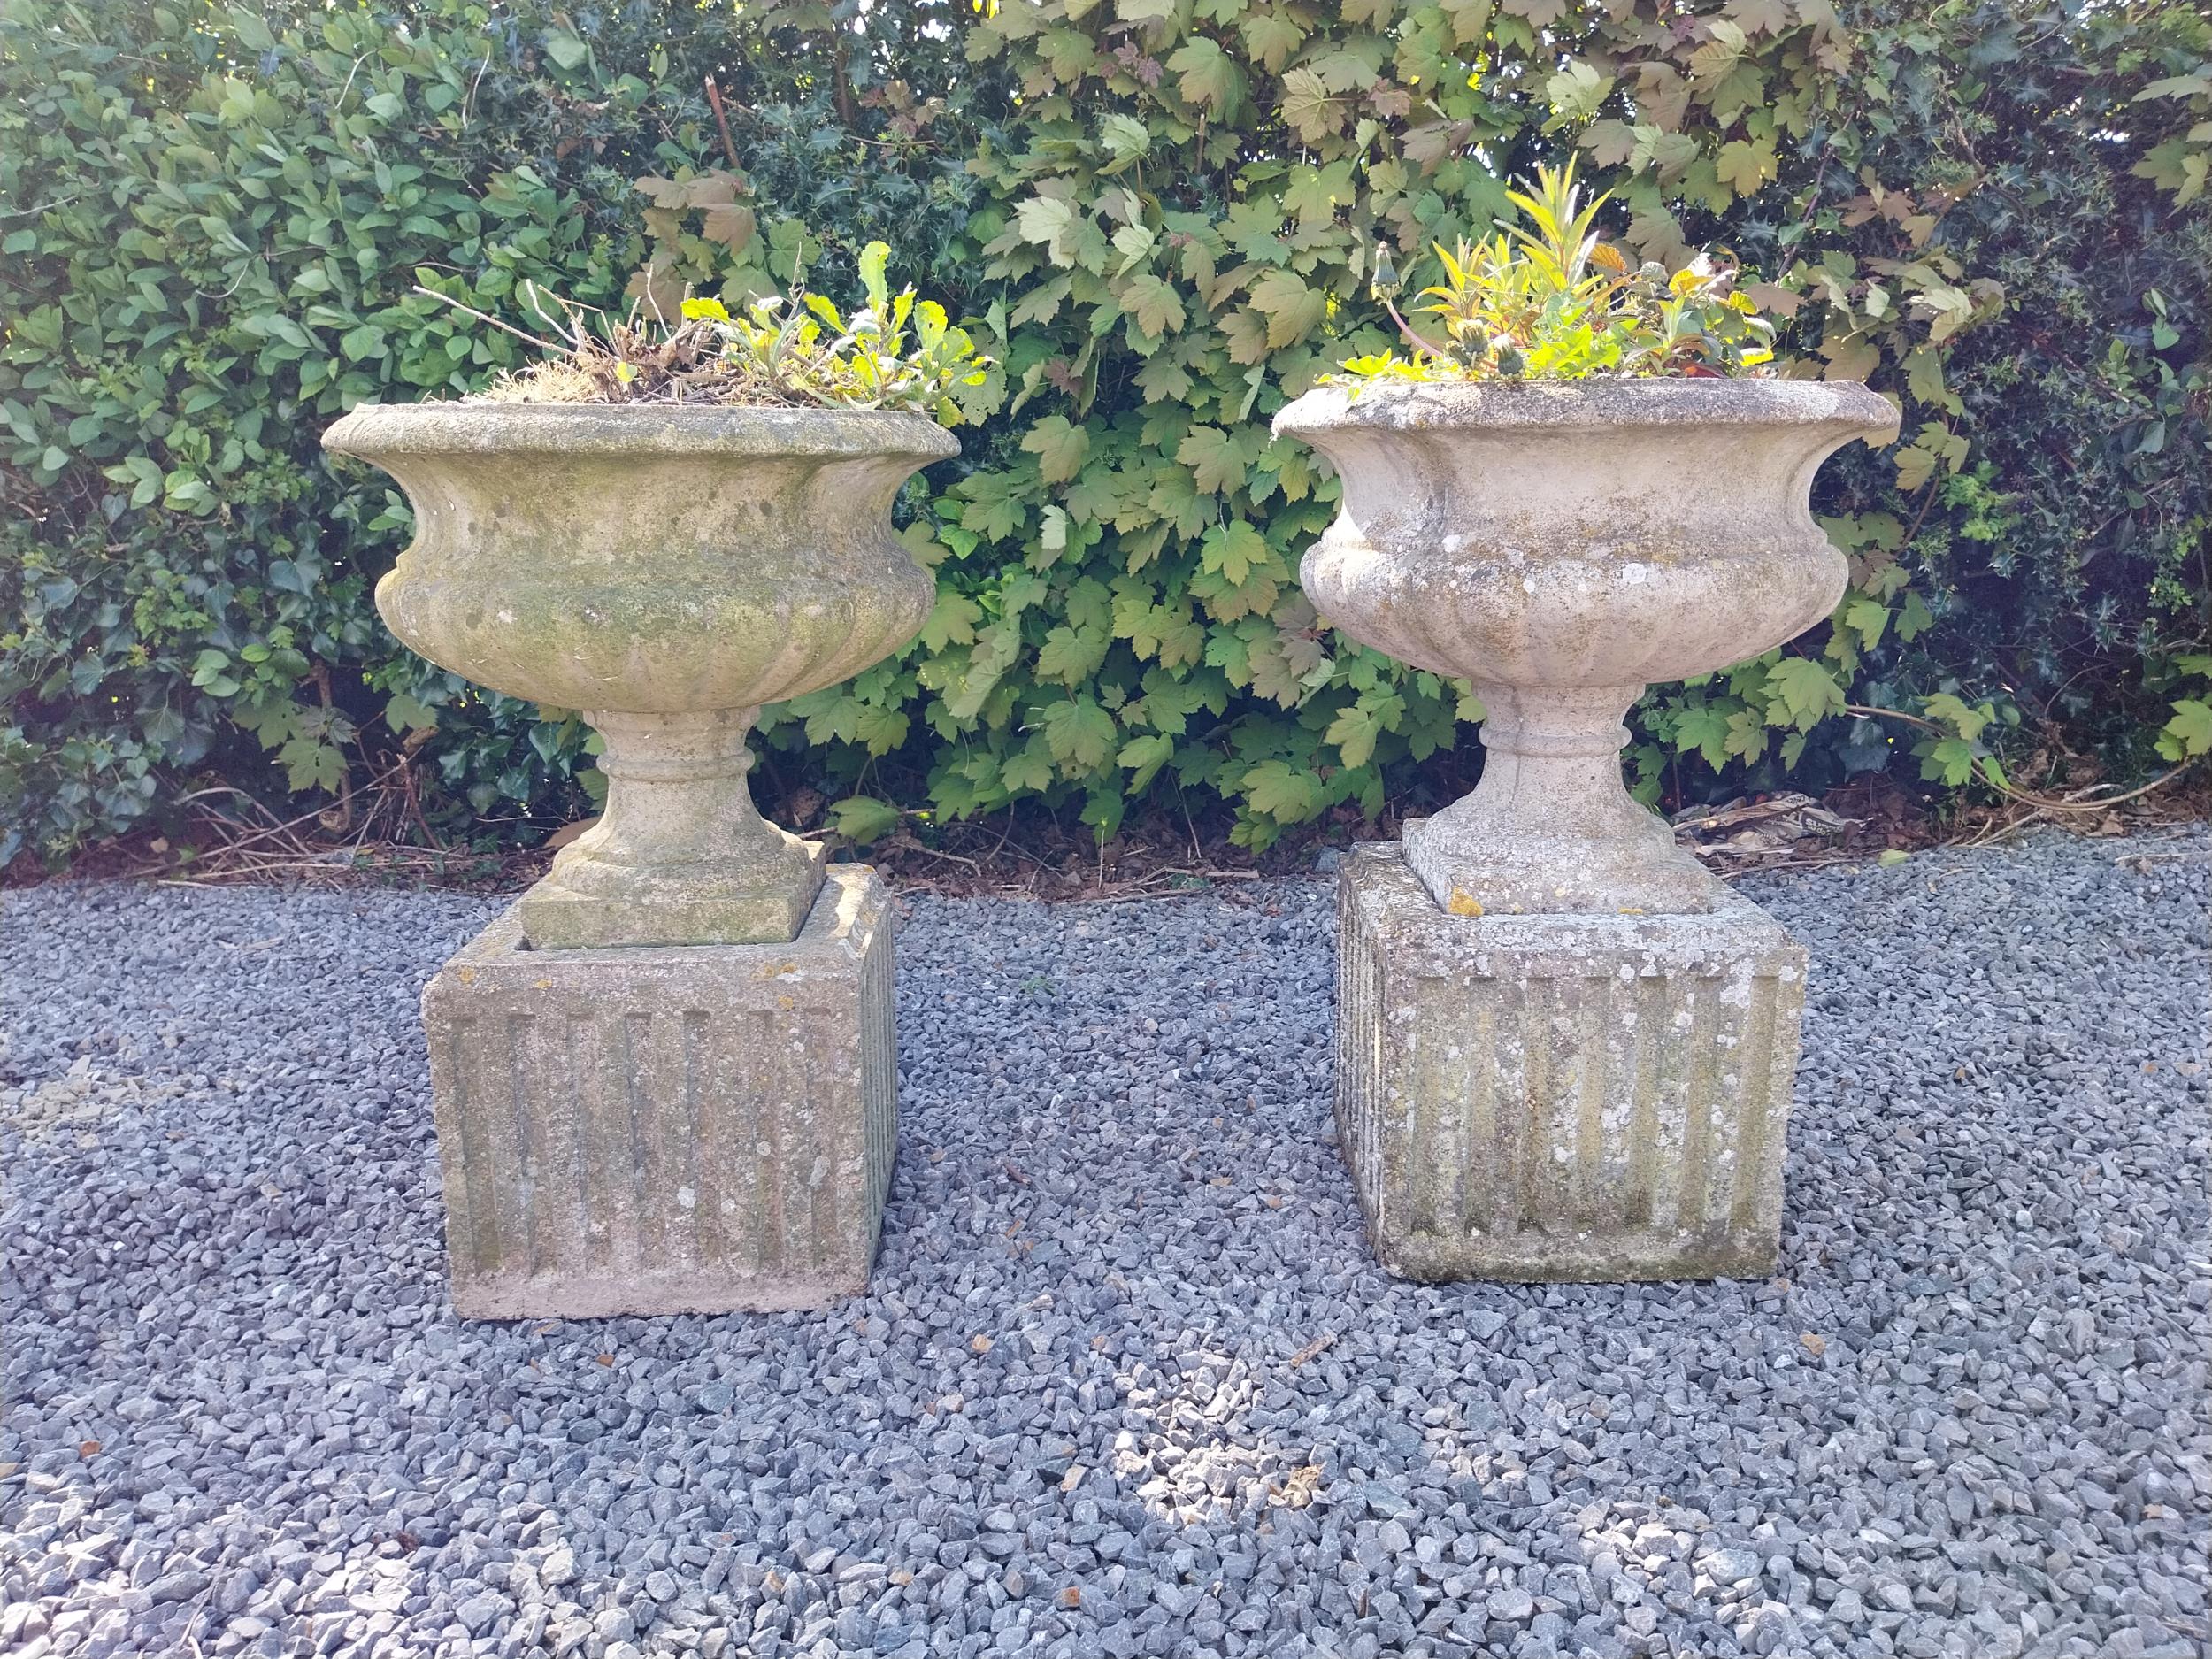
point(1552, 300)
point(1159, 220)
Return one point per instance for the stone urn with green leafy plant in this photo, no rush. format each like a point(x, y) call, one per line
point(1580, 480)
point(665, 527)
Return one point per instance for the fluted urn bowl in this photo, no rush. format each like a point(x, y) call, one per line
point(1562, 545)
point(663, 570)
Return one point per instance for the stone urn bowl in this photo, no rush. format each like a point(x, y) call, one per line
point(663, 570)
point(1561, 545)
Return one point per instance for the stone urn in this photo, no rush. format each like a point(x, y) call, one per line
point(1562, 545)
point(665, 570)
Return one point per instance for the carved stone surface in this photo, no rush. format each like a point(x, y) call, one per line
point(666, 570)
point(676, 1129)
point(1584, 1097)
point(1561, 545)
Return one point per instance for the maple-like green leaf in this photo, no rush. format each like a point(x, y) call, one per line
point(1575, 90)
point(1151, 300)
point(1270, 37)
point(1286, 794)
point(1868, 618)
point(1234, 550)
point(1059, 447)
point(1206, 76)
point(1293, 309)
point(1144, 756)
point(2189, 732)
point(1307, 106)
point(1080, 733)
point(1073, 655)
point(862, 819)
point(1703, 727)
point(1354, 732)
point(1804, 689)
point(1215, 459)
point(1744, 168)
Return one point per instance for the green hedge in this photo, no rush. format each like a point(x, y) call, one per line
point(1159, 214)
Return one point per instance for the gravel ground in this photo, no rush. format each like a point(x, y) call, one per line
point(1128, 1383)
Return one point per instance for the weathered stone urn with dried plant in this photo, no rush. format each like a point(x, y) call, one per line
point(665, 1080)
point(1566, 1051)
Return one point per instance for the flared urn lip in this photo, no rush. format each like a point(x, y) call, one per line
point(711, 431)
point(1589, 405)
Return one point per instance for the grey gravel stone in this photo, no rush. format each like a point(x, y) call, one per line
point(1125, 1339)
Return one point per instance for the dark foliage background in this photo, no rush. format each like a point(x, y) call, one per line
point(1157, 213)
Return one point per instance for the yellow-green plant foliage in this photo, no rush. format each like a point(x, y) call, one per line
point(793, 350)
point(1550, 300)
point(1159, 218)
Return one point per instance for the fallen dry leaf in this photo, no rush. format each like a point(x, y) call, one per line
point(1816, 1345)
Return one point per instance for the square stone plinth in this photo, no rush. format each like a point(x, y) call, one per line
point(1562, 1097)
point(679, 1129)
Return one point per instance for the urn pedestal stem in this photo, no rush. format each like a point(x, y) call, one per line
point(680, 855)
point(1551, 826)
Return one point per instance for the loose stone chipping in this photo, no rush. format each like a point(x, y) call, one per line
point(238, 1415)
point(689, 1129)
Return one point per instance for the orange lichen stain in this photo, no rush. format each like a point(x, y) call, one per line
point(1463, 903)
point(1630, 910)
point(467, 976)
point(540, 985)
point(787, 1002)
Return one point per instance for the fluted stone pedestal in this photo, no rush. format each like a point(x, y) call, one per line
point(1580, 1097)
point(676, 1129)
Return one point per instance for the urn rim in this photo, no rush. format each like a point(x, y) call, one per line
point(372, 431)
point(1597, 405)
